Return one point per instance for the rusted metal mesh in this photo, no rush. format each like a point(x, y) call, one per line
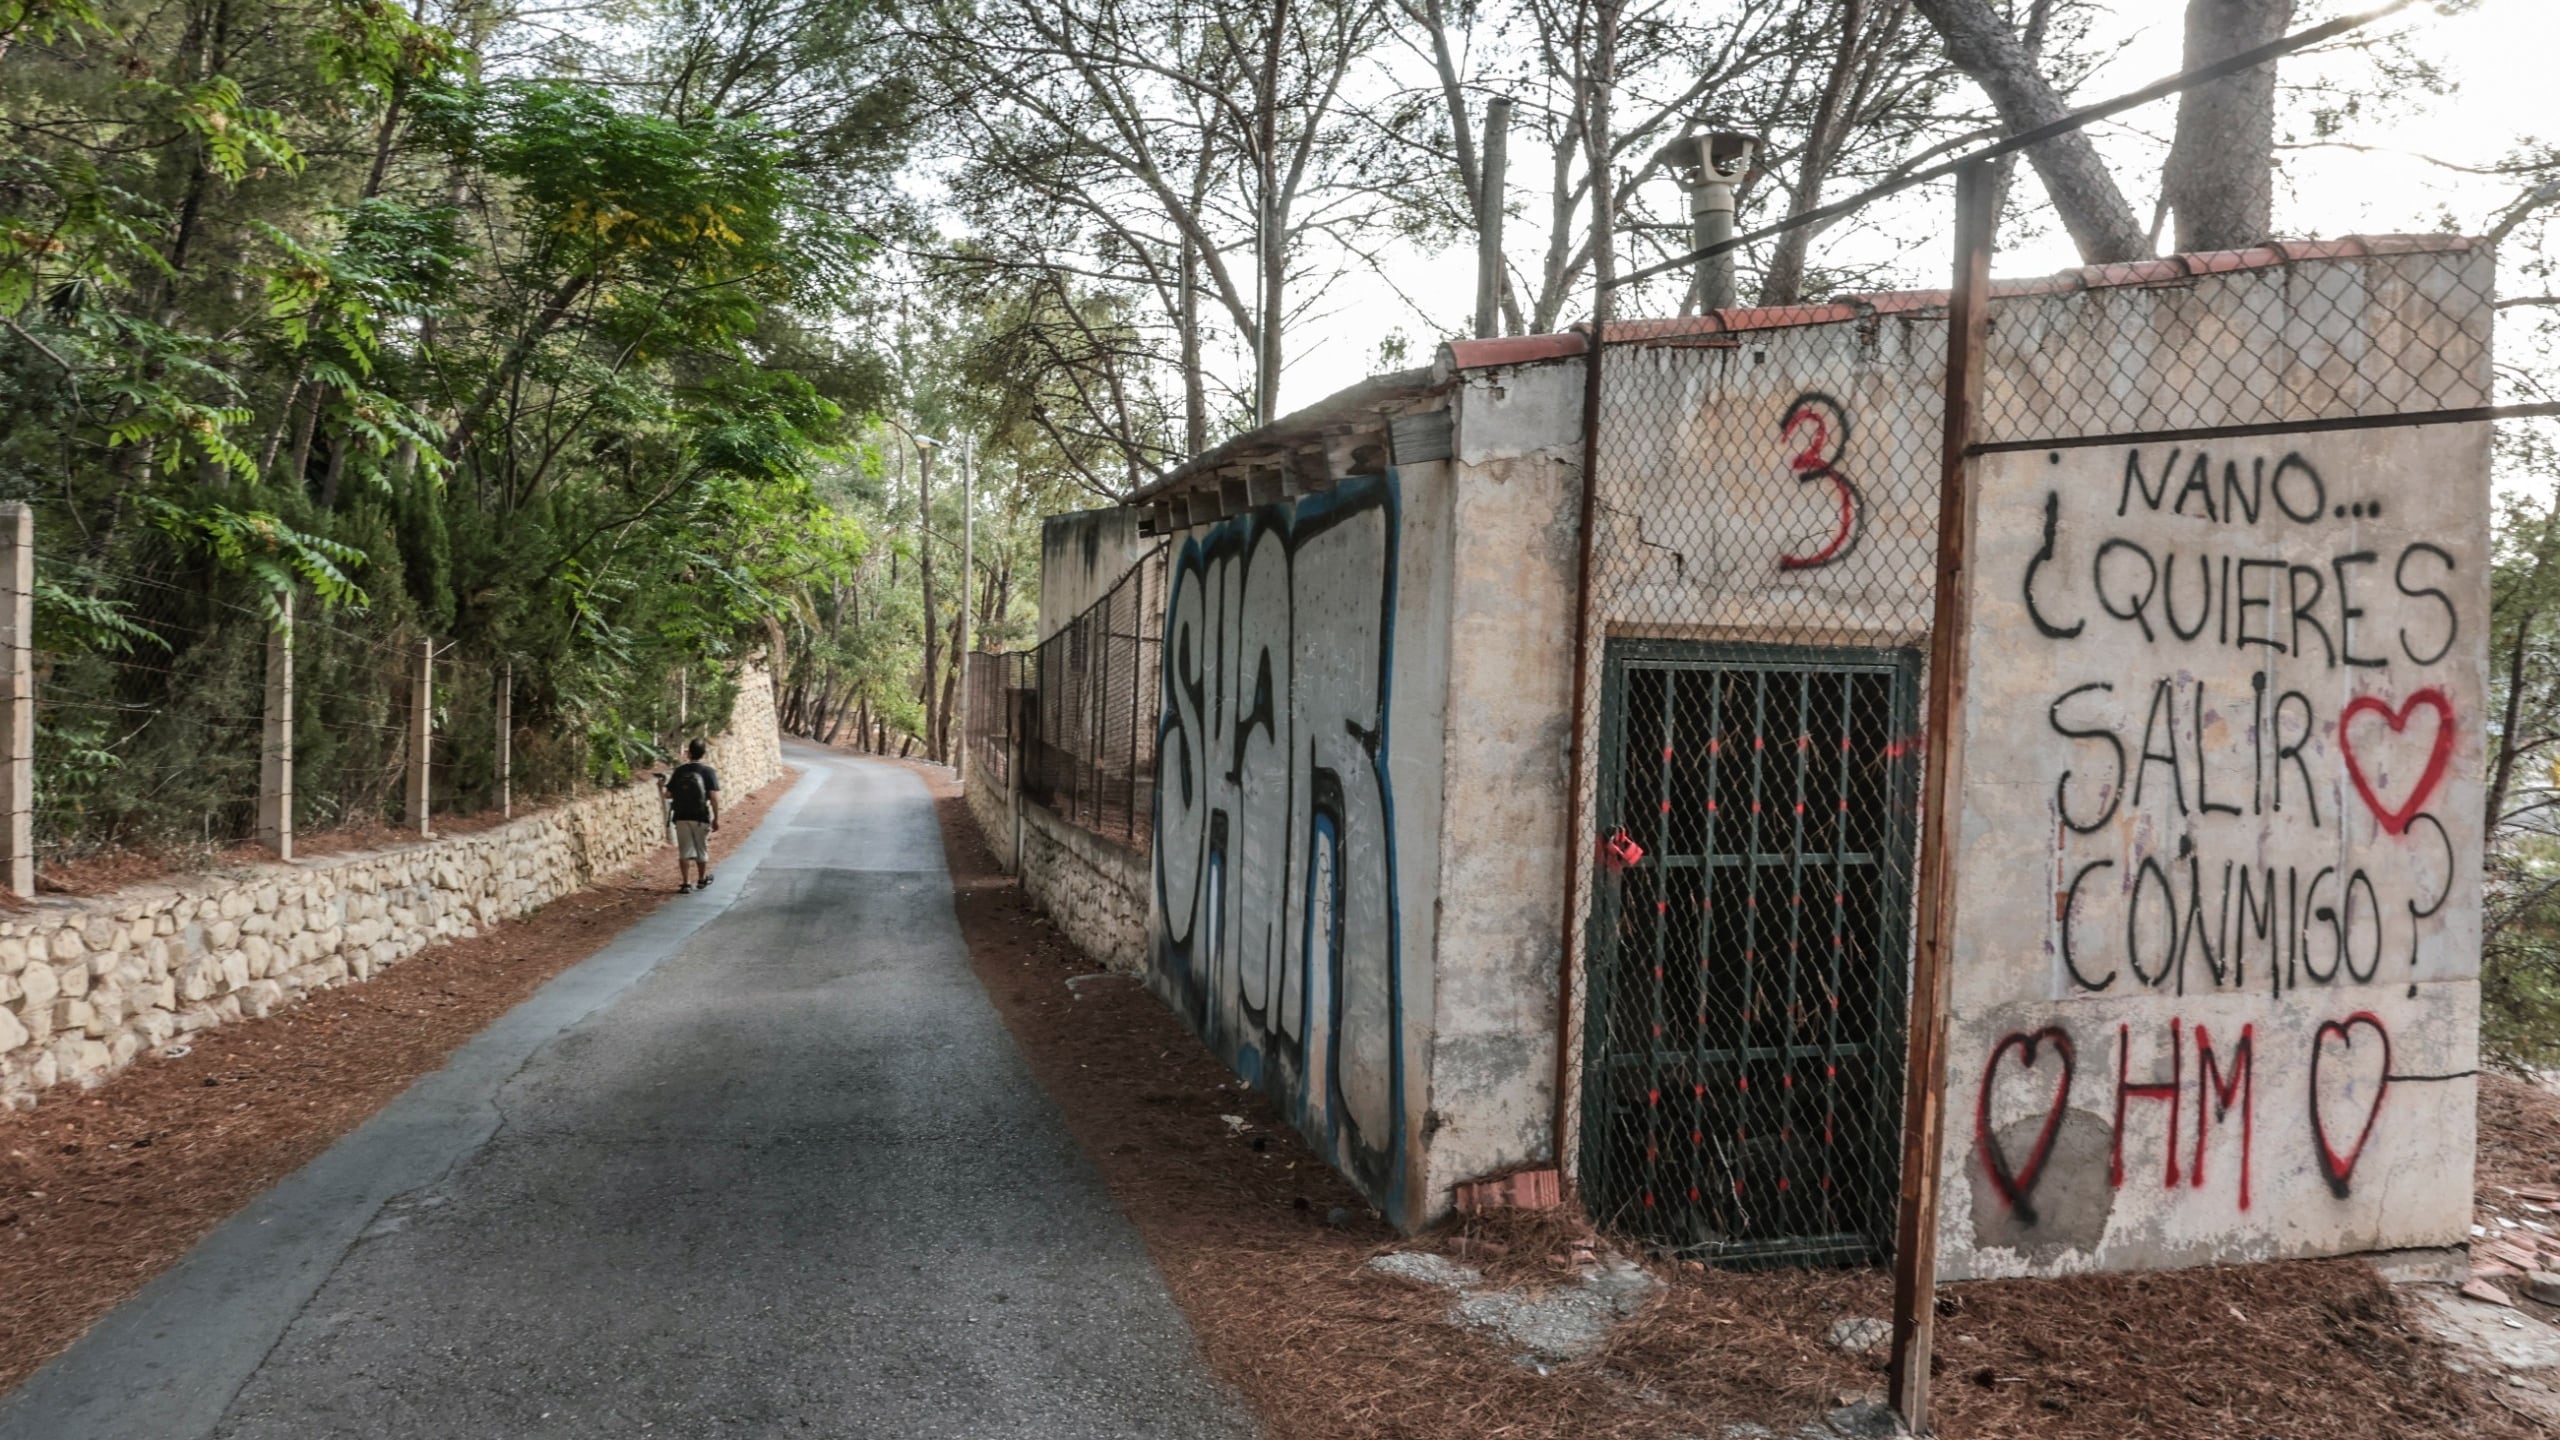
point(1761, 561)
point(1762, 585)
point(1085, 730)
point(997, 683)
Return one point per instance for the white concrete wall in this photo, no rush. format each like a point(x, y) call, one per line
point(1299, 776)
point(1507, 754)
point(1082, 555)
point(2216, 978)
point(2354, 1109)
point(86, 985)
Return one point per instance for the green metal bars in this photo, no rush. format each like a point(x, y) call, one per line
point(1750, 944)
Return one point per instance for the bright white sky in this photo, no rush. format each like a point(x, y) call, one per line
point(2504, 55)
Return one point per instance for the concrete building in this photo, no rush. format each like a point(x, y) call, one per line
point(2217, 895)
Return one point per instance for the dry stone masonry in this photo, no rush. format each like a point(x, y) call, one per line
point(86, 985)
point(1093, 889)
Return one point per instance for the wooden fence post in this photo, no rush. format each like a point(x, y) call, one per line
point(18, 699)
point(507, 741)
point(422, 709)
point(1915, 1250)
point(275, 754)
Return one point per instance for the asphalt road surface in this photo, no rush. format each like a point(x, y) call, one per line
point(766, 1165)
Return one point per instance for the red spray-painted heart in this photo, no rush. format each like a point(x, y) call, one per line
point(2396, 821)
point(2017, 1186)
point(2339, 1167)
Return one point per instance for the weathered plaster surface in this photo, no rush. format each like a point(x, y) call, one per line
point(1720, 521)
point(1082, 555)
point(1507, 759)
point(1298, 795)
point(2226, 712)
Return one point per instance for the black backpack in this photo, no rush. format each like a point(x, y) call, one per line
point(685, 792)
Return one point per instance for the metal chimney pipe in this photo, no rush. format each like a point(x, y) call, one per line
point(1724, 161)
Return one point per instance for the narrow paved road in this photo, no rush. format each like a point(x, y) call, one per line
point(768, 1165)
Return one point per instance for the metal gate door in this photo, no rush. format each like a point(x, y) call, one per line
point(1742, 1078)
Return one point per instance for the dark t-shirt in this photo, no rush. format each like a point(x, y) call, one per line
point(686, 799)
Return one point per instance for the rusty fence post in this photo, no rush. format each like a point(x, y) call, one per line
point(1915, 1251)
point(1578, 845)
point(422, 710)
point(275, 752)
point(18, 698)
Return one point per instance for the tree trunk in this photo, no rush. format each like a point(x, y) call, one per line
point(1600, 79)
point(299, 473)
point(1270, 241)
point(1195, 392)
point(950, 688)
point(2083, 192)
point(2220, 180)
point(2039, 24)
point(1783, 282)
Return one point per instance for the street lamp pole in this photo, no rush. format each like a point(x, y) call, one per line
point(968, 549)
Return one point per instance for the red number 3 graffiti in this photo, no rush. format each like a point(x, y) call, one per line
point(1816, 423)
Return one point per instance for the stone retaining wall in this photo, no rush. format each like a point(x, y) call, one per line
point(992, 807)
point(1094, 890)
point(86, 985)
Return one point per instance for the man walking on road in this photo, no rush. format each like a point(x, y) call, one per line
point(693, 806)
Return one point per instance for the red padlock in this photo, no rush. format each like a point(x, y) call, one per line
point(1620, 851)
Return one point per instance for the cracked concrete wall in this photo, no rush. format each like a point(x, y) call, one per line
point(1506, 754)
point(86, 985)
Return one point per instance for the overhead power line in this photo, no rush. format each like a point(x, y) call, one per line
point(2077, 119)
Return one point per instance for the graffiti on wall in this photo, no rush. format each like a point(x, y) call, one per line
point(2250, 673)
point(1275, 853)
point(1816, 430)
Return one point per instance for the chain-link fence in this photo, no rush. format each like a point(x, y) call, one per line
point(999, 689)
point(1763, 550)
point(1761, 553)
point(1086, 729)
point(150, 702)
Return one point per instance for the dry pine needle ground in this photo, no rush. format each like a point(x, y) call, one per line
point(1265, 1248)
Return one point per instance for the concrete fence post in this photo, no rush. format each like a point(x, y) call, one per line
point(18, 698)
point(507, 741)
point(422, 696)
point(275, 751)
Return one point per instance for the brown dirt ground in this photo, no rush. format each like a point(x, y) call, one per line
point(101, 1190)
point(1264, 1248)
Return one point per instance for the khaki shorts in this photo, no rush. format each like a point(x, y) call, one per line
point(693, 840)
